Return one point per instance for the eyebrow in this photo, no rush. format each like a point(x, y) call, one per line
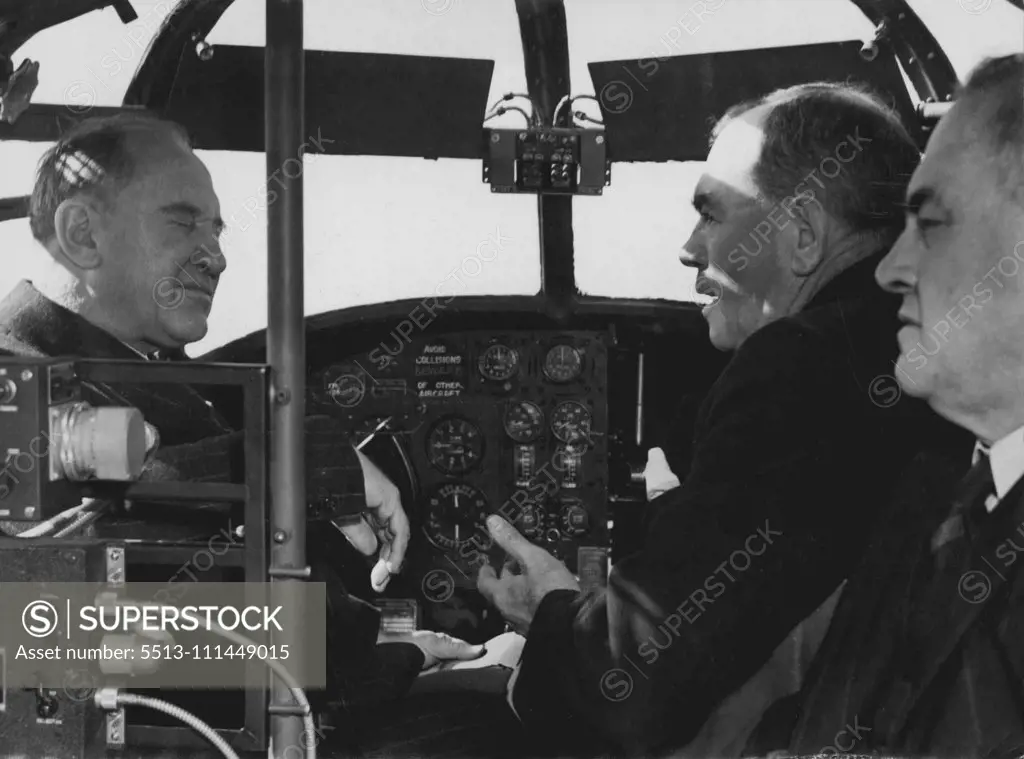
point(918, 198)
point(703, 199)
point(192, 210)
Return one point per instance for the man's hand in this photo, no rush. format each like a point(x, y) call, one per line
point(517, 596)
point(658, 475)
point(384, 524)
point(436, 647)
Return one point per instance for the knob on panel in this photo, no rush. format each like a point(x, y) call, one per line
point(7, 390)
point(105, 443)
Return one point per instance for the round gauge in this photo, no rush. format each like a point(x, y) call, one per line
point(455, 446)
point(499, 362)
point(346, 390)
point(563, 363)
point(455, 516)
point(524, 421)
point(530, 521)
point(571, 422)
point(574, 519)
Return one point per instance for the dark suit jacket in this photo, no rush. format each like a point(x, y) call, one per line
point(794, 447)
point(921, 662)
point(197, 444)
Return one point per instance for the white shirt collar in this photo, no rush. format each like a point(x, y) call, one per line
point(1007, 460)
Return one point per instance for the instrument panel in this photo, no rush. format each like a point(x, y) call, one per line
point(513, 423)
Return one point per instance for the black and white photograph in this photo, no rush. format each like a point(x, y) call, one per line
point(511, 379)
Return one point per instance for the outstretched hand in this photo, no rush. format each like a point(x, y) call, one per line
point(436, 647)
point(517, 596)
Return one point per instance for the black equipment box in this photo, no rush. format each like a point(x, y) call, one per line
point(64, 723)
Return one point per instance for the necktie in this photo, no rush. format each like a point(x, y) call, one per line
point(968, 503)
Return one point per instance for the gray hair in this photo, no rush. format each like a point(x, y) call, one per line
point(804, 130)
point(93, 156)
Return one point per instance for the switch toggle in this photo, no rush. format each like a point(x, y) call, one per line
point(46, 703)
point(7, 390)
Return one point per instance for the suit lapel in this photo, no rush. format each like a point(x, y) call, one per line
point(853, 671)
point(951, 602)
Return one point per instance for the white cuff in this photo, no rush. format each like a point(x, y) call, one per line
point(658, 476)
point(511, 687)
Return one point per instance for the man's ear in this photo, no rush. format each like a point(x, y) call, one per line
point(810, 225)
point(76, 223)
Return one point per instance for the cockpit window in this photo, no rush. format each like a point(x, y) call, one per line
point(381, 228)
point(377, 228)
point(628, 241)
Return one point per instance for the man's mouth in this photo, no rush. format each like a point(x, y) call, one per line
point(707, 287)
point(908, 320)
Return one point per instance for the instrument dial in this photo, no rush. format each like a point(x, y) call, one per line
point(575, 520)
point(530, 521)
point(563, 363)
point(571, 422)
point(455, 446)
point(499, 363)
point(524, 421)
point(455, 516)
point(343, 385)
point(347, 390)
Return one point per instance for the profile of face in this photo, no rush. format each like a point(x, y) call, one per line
point(150, 256)
point(959, 265)
point(741, 243)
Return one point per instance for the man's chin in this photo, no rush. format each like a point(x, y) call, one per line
point(183, 329)
point(718, 328)
point(913, 380)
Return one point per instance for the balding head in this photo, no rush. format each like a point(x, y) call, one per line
point(98, 157)
point(993, 97)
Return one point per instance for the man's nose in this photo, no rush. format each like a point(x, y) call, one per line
point(692, 254)
point(896, 272)
point(210, 260)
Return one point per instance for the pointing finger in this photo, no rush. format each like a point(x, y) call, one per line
point(506, 536)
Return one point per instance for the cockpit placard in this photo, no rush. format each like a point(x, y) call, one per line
point(440, 372)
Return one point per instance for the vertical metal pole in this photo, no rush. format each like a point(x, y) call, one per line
point(284, 121)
